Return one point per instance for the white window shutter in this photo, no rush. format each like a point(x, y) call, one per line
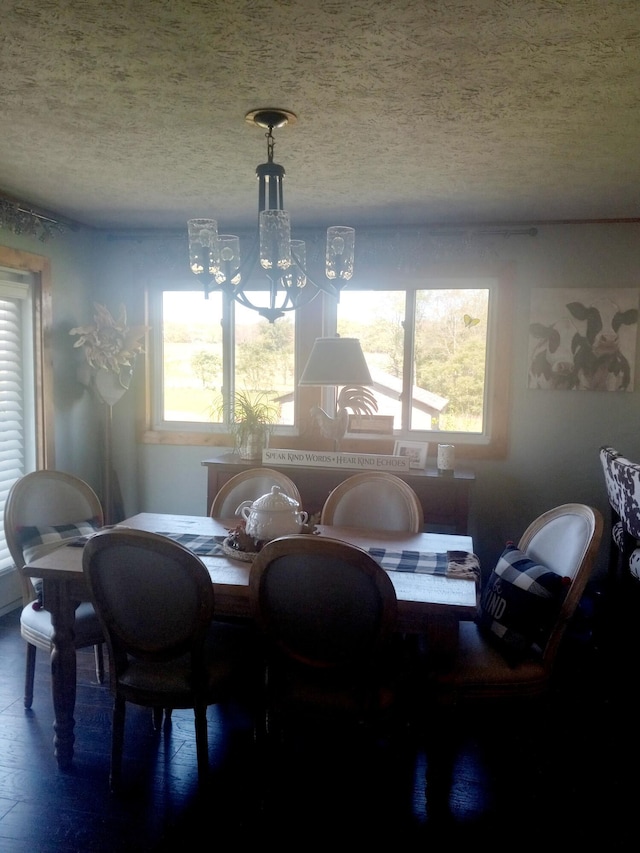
point(12, 401)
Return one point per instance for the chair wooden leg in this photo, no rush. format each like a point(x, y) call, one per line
point(99, 662)
point(202, 742)
point(30, 671)
point(117, 742)
point(160, 716)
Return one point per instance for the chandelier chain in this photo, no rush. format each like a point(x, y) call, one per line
point(271, 143)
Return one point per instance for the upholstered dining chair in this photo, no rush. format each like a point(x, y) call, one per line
point(43, 510)
point(543, 578)
point(247, 486)
point(327, 612)
point(155, 601)
point(375, 499)
point(622, 482)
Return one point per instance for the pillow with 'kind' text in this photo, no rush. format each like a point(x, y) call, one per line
point(520, 603)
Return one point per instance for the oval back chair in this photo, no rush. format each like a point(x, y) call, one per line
point(564, 541)
point(327, 611)
point(43, 510)
point(247, 486)
point(374, 499)
point(155, 601)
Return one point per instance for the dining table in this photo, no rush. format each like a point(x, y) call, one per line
point(431, 600)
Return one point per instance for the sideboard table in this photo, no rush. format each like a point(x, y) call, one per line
point(444, 497)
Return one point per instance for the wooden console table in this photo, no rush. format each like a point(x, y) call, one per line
point(444, 497)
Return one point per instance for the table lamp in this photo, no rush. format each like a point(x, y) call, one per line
point(339, 362)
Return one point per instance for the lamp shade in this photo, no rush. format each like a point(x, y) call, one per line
point(336, 361)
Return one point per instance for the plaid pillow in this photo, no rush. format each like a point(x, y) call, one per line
point(37, 541)
point(520, 603)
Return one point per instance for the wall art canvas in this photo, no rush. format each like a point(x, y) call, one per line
point(583, 339)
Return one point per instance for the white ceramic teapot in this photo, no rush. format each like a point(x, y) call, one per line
point(272, 515)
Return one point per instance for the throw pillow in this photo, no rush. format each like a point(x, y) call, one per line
point(38, 541)
point(519, 604)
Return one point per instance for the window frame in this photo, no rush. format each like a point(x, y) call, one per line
point(40, 267)
point(39, 447)
point(319, 318)
point(493, 442)
point(157, 431)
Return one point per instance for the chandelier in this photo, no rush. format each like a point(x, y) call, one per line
point(216, 257)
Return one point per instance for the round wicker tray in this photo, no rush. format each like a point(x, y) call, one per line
point(235, 553)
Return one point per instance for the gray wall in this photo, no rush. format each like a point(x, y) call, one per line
point(554, 435)
point(77, 421)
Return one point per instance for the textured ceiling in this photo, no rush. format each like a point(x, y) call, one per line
point(130, 113)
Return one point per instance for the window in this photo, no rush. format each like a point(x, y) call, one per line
point(26, 406)
point(17, 420)
point(206, 350)
point(428, 347)
point(438, 360)
point(26, 403)
point(439, 356)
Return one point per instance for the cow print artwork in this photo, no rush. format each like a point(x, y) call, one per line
point(583, 339)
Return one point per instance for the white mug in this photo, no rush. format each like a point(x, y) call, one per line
point(446, 457)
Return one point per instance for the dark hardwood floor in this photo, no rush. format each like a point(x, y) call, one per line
point(564, 770)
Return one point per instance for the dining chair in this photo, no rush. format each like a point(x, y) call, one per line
point(622, 482)
point(511, 649)
point(155, 601)
point(374, 499)
point(247, 486)
point(327, 612)
point(44, 510)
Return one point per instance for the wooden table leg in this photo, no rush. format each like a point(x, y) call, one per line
point(63, 669)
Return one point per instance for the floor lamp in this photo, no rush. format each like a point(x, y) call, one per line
point(109, 390)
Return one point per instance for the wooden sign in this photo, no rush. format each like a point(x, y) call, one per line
point(333, 459)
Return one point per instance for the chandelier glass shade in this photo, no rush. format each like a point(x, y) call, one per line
point(216, 258)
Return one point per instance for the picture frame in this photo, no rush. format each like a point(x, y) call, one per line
point(416, 450)
point(369, 426)
point(568, 328)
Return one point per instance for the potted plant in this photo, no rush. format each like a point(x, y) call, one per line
point(253, 416)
